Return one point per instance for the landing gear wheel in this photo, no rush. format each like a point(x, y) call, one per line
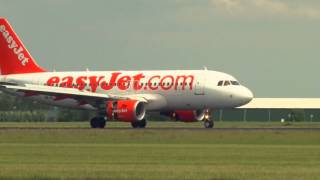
point(208, 124)
point(134, 124)
point(139, 124)
point(143, 123)
point(98, 122)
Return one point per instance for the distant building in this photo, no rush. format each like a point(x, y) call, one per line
point(266, 115)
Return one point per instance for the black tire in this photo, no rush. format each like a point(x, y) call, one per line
point(208, 124)
point(139, 124)
point(135, 124)
point(98, 122)
point(143, 123)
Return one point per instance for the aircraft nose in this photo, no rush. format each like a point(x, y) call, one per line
point(246, 95)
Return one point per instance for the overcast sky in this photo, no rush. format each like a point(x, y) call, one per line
point(271, 46)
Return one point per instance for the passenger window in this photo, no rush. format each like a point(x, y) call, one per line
point(220, 83)
point(226, 83)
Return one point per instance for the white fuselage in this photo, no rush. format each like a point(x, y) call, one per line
point(171, 90)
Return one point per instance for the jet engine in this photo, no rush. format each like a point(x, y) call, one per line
point(126, 110)
point(189, 115)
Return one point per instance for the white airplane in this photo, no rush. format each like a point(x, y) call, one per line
point(185, 95)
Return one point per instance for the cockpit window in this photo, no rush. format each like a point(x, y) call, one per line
point(226, 83)
point(236, 83)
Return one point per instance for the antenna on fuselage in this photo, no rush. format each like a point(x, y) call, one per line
point(205, 68)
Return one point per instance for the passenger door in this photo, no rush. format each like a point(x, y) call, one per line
point(200, 86)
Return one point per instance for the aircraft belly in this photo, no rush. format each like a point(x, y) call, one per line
point(184, 102)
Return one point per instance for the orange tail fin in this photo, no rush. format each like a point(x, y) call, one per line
point(14, 57)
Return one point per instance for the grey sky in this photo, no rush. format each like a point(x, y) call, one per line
point(271, 46)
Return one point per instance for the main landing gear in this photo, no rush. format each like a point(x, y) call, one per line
point(139, 124)
point(98, 122)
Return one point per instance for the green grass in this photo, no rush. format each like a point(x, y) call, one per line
point(158, 154)
point(169, 124)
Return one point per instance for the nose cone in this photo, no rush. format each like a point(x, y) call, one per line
point(245, 95)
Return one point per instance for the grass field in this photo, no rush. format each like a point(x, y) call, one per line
point(169, 124)
point(158, 154)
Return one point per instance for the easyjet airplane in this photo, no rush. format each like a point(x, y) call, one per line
point(185, 95)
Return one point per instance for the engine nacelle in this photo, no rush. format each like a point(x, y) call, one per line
point(190, 116)
point(126, 110)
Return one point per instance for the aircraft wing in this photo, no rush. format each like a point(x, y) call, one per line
point(81, 96)
point(49, 90)
point(283, 103)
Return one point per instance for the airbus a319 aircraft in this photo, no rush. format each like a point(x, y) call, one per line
point(185, 95)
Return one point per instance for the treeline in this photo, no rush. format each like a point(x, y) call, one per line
point(20, 109)
point(15, 109)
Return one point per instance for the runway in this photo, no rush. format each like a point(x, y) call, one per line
point(162, 129)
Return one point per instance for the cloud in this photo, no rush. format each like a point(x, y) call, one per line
point(265, 8)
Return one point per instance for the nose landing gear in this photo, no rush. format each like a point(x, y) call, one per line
point(207, 122)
